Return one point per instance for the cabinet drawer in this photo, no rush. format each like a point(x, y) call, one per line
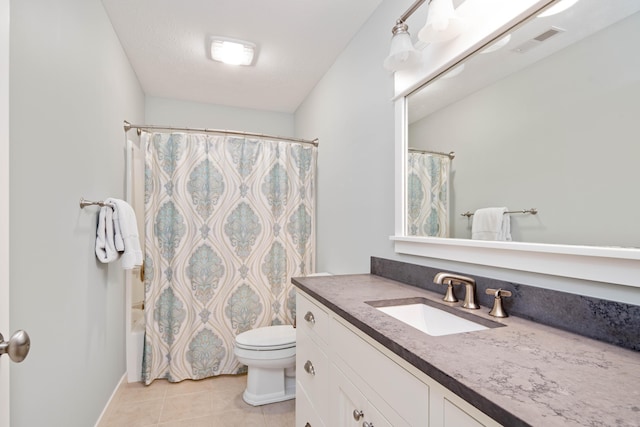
point(312, 371)
point(397, 388)
point(306, 416)
point(312, 319)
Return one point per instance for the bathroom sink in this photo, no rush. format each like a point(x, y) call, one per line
point(432, 318)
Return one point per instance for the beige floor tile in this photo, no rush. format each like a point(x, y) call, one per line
point(281, 414)
point(193, 422)
point(138, 392)
point(185, 406)
point(133, 414)
point(253, 418)
point(224, 401)
point(213, 402)
point(229, 383)
point(189, 386)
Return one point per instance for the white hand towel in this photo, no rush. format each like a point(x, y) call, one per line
point(491, 224)
point(105, 245)
point(126, 226)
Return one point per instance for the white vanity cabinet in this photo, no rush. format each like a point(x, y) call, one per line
point(346, 379)
point(350, 407)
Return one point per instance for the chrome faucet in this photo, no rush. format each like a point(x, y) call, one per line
point(451, 279)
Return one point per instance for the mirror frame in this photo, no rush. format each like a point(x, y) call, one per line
point(614, 265)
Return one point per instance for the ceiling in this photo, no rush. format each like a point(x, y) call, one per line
point(298, 41)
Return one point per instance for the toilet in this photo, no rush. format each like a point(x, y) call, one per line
point(270, 355)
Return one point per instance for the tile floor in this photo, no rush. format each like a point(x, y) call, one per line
point(212, 402)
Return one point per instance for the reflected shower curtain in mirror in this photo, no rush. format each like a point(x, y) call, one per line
point(428, 177)
point(229, 220)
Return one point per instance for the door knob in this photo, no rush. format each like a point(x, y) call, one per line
point(17, 347)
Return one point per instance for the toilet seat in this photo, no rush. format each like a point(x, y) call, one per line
point(267, 338)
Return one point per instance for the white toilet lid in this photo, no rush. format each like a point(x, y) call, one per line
point(268, 338)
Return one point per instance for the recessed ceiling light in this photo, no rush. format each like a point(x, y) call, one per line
point(232, 51)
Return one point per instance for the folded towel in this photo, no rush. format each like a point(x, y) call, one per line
point(126, 237)
point(105, 245)
point(491, 224)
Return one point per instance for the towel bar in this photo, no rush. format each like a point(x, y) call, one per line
point(84, 203)
point(531, 211)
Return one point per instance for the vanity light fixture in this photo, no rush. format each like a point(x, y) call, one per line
point(561, 6)
point(402, 54)
point(442, 23)
point(232, 51)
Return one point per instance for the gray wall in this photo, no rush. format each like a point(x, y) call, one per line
point(559, 136)
point(171, 112)
point(71, 88)
point(351, 111)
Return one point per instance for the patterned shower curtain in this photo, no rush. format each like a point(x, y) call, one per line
point(428, 194)
point(229, 220)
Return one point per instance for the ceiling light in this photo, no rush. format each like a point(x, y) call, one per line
point(403, 55)
point(497, 45)
point(558, 7)
point(442, 23)
point(231, 51)
point(454, 72)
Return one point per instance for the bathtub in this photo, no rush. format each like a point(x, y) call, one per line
point(135, 345)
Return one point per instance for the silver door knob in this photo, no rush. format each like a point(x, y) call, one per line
point(17, 347)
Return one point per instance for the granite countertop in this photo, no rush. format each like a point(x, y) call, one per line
point(524, 374)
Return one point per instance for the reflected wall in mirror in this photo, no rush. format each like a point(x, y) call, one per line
point(548, 121)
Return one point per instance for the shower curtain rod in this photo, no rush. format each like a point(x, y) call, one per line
point(450, 155)
point(128, 126)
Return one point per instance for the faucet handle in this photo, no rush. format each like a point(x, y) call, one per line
point(497, 310)
point(449, 296)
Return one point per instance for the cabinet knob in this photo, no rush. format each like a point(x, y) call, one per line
point(357, 414)
point(309, 369)
point(309, 317)
point(307, 425)
point(367, 424)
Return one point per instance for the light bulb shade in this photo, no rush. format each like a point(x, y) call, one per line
point(558, 7)
point(232, 51)
point(442, 23)
point(402, 53)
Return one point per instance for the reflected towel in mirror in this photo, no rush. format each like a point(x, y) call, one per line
point(491, 224)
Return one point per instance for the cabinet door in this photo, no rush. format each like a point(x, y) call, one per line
point(306, 415)
point(351, 407)
point(456, 417)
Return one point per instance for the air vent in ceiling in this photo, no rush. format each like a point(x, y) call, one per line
point(537, 40)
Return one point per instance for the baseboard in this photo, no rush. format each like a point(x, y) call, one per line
point(106, 407)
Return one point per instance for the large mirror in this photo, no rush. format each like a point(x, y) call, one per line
point(546, 118)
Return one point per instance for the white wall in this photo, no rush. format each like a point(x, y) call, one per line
point(171, 112)
point(71, 88)
point(350, 110)
point(556, 136)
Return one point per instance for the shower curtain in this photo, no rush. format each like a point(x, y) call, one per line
point(229, 220)
point(428, 194)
